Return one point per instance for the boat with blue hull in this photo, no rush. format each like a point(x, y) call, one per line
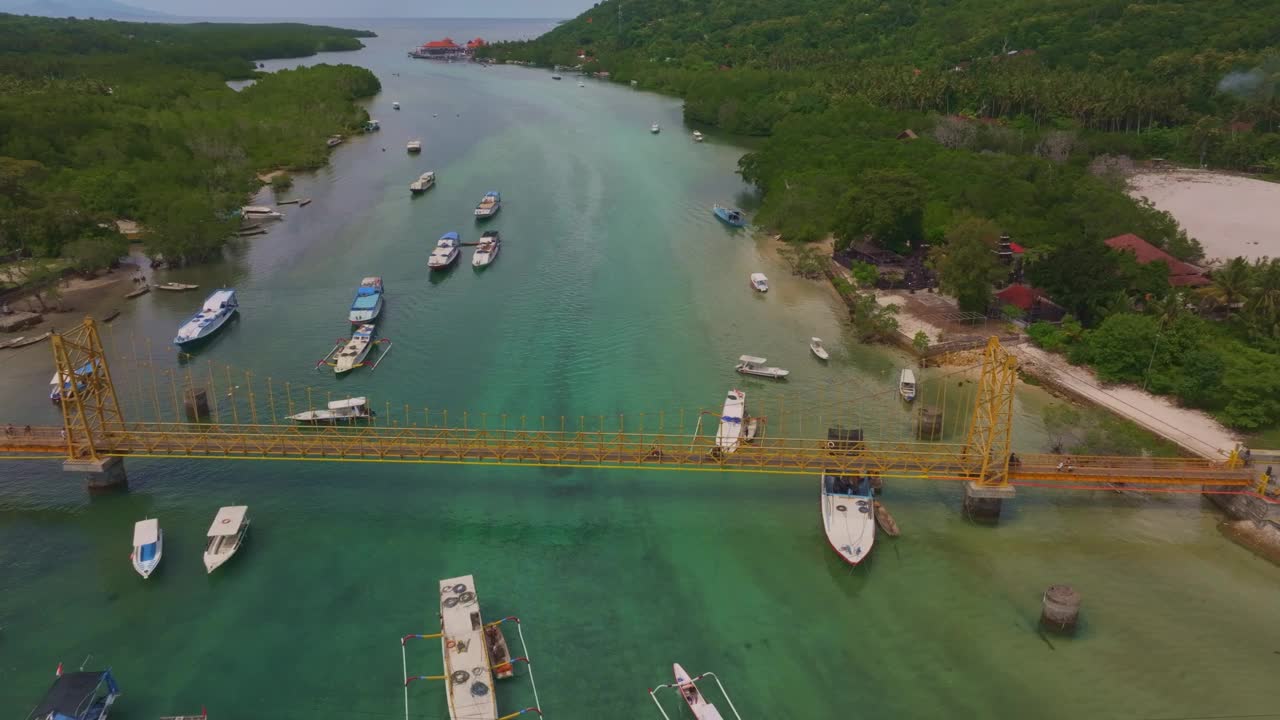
point(217, 309)
point(81, 695)
point(367, 304)
point(729, 216)
point(489, 205)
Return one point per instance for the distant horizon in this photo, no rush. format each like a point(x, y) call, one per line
point(341, 9)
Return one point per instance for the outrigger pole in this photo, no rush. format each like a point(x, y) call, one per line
point(676, 686)
point(404, 666)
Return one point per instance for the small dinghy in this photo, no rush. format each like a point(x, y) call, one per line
point(848, 518)
point(815, 346)
point(655, 128)
point(697, 136)
point(687, 686)
point(886, 521)
point(751, 365)
point(176, 287)
point(148, 544)
point(413, 146)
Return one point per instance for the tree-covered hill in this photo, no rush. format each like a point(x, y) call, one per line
point(105, 120)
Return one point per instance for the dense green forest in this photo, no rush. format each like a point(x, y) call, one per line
point(1025, 118)
point(106, 120)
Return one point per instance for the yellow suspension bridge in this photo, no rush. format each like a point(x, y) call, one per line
point(95, 433)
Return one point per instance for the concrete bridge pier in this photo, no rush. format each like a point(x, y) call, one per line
point(101, 475)
point(982, 502)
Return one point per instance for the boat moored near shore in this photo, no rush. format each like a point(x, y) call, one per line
point(752, 365)
point(148, 545)
point(217, 309)
point(729, 216)
point(367, 304)
point(732, 425)
point(907, 385)
point(848, 516)
point(226, 534)
point(760, 282)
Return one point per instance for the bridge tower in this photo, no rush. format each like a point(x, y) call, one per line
point(90, 410)
point(987, 442)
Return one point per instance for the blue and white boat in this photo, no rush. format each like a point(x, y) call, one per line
point(489, 205)
point(60, 387)
point(82, 695)
point(848, 516)
point(148, 545)
point(445, 253)
point(368, 302)
point(729, 216)
point(218, 308)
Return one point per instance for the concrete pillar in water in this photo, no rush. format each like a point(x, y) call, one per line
point(196, 402)
point(929, 424)
point(982, 503)
point(101, 475)
point(1060, 609)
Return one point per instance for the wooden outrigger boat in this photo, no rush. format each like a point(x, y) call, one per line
point(475, 653)
point(20, 342)
point(176, 287)
point(143, 290)
point(701, 708)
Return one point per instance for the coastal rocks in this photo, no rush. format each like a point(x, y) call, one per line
point(1060, 609)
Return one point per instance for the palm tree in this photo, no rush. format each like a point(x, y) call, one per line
point(1230, 285)
point(1263, 305)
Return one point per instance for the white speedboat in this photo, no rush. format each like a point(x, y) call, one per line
point(487, 250)
point(337, 411)
point(752, 365)
point(217, 309)
point(413, 146)
point(489, 205)
point(445, 252)
point(848, 516)
point(729, 435)
point(907, 385)
point(226, 534)
point(395, 106)
point(355, 351)
point(555, 77)
point(815, 346)
point(760, 282)
point(148, 544)
point(425, 182)
point(259, 213)
point(655, 128)
point(463, 647)
point(581, 84)
point(367, 304)
point(697, 136)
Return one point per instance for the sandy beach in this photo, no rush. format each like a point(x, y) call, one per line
point(1230, 215)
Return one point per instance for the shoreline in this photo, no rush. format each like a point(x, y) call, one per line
point(1230, 214)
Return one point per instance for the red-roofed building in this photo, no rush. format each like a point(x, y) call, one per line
point(1180, 274)
point(474, 44)
point(437, 49)
point(1032, 301)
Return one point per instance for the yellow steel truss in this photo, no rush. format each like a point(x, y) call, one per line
point(89, 406)
point(94, 427)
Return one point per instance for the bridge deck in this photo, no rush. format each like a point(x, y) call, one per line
point(920, 460)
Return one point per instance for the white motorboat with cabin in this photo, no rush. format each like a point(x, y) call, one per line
point(413, 146)
point(907, 385)
point(815, 346)
point(848, 516)
point(752, 365)
point(355, 351)
point(367, 304)
point(61, 388)
point(467, 669)
point(687, 686)
point(655, 128)
point(425, 182)
point(259, 213)
point(148, 545)
point(732, 418)
point(217, 309)
point(226, 534)
point(395, 106)
point(760, 282)
point(445, 252)
point(489, 205)
point(337, 411)
point(487, 250)
point(697, 136)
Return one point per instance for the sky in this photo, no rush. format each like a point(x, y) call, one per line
point(368, 8)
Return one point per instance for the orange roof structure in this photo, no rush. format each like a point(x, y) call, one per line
point(1181, 274)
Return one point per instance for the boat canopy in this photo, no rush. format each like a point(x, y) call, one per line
point(228, 520)
point(357, 402)
point(219, 300)
point(449, 236)
point(370, 286)
point(752, 360)
point(74, 694)
point(86, 369)
point(146, 532)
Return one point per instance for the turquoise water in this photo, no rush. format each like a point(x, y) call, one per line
point(616, 292)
